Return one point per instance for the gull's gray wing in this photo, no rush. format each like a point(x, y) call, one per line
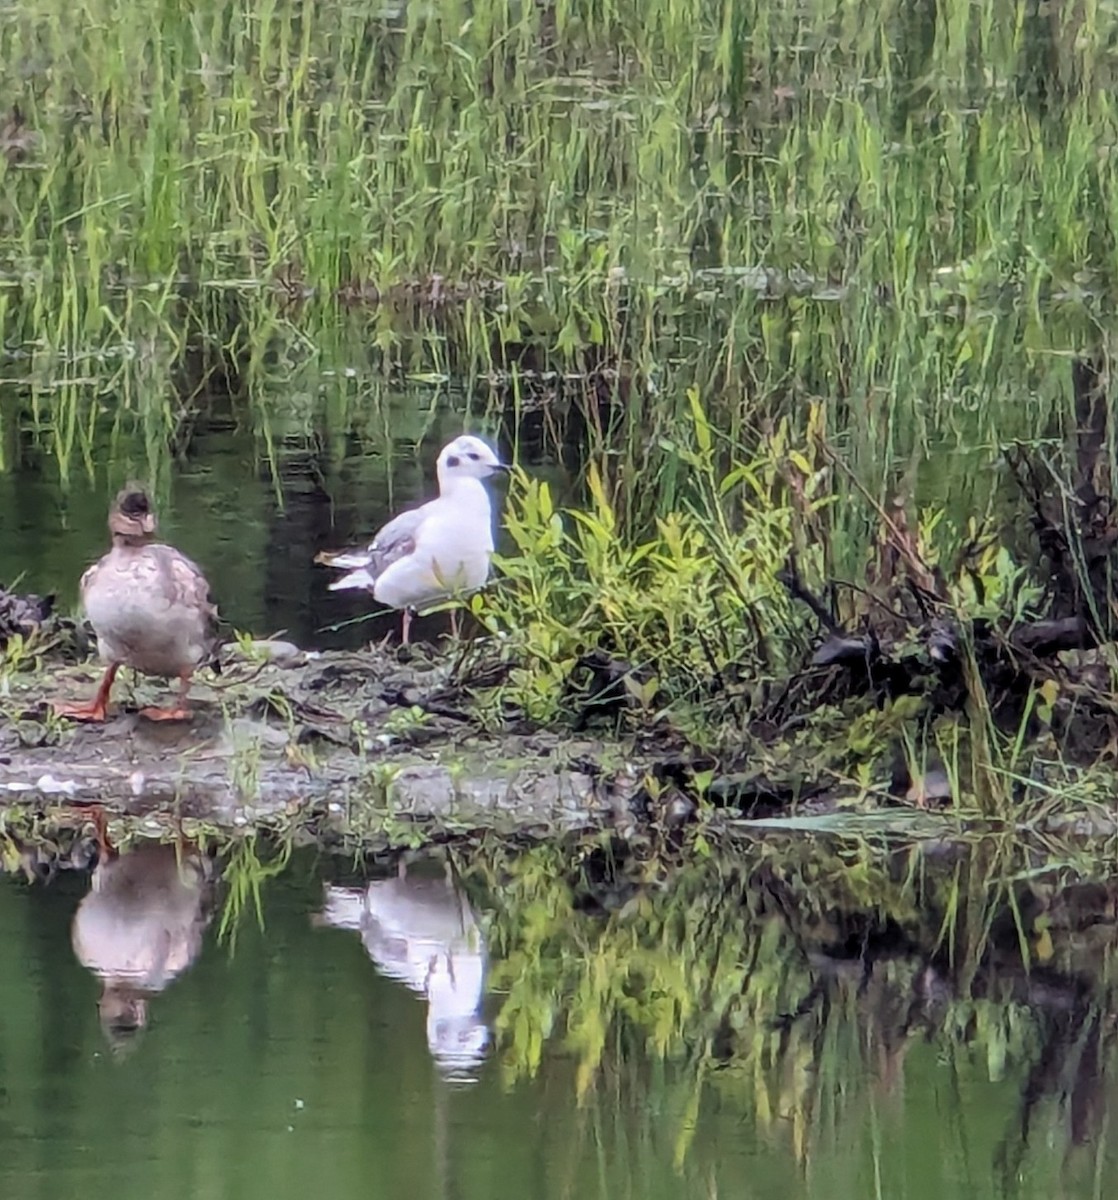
point(393, 541)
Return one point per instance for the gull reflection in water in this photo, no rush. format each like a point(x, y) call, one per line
point(139, 927)
point(422, 932)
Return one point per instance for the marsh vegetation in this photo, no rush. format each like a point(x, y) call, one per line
point(810, 287)
point(797, 319)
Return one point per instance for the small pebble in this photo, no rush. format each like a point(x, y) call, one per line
point(277, 651)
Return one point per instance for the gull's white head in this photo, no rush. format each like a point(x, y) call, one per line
point(468, 458)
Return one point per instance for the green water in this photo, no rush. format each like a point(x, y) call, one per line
point(291, 1065)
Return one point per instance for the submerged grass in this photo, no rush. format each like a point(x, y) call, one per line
point(907, 210)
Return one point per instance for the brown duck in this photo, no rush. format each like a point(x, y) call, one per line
point(140, 926)
point(150, 607)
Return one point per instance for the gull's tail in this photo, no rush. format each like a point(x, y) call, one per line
point(356, 562)
point(355, 579)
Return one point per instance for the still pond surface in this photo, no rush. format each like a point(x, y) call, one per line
point(363, 1041)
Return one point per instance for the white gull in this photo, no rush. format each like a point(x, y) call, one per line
point(422, 931)
point(436, 551)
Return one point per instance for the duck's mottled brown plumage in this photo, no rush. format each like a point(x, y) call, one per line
point(149, 605)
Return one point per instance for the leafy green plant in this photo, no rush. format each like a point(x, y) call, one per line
point(690, 608)
point(251, 861)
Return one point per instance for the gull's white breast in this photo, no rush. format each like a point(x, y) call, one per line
point(453, 545)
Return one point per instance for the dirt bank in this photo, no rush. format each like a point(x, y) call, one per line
point(361, 735)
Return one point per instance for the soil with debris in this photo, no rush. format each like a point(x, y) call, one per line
point(282, 731)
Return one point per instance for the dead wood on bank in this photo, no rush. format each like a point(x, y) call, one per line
point(908, 638)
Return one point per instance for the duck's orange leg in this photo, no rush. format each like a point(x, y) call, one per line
point(101, 827)
point(95, 709)
point(181, 712)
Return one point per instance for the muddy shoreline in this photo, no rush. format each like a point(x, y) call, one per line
point(349, 735)
point(382, 742)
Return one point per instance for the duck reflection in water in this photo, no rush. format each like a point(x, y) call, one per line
point(139, 927)
point(421, 931)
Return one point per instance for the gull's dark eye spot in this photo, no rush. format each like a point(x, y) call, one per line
point(452, 461)
point(474, 455)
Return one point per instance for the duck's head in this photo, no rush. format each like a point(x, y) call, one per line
point(468, 457)
point(132, 519)
point(123, 1010)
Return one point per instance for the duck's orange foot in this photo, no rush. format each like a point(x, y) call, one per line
point(91, 710)
point(101, 828)
point(167, 714)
